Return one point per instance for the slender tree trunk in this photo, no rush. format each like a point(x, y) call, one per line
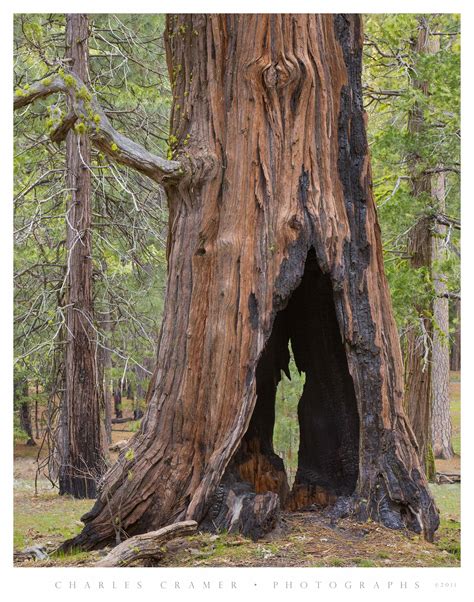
point(25, 415)
point(82, 463)
point(455, 359)
point(140, 376)
point(441, 414)
point(273, 237)
point(418, 350)
point(420, 366)
point(37, 410)
point(107, 392)
point(106, 365)
point(118, 401)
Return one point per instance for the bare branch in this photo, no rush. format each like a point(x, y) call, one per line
point(95, 122)
point(442, 170)
point(446, 220)
point(451, 295)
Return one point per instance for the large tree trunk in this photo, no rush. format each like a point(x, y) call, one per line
point(82, 462)
point(273, 236)
point(441, 413)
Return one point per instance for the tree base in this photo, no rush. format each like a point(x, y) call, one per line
point(443, 453)
point(237, 508)
point(79, 487)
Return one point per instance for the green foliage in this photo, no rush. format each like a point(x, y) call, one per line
point(392, 65)
point(128, 75)
point(70, 81)
point(84, 94)
point(286, 431)
point(80, 128)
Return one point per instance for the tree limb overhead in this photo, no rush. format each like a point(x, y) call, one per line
point(90, 118)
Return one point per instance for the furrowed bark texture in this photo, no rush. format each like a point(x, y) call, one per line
point(441, 414)
point(25, 415)
point(81, 454)
point(418, 354)
point(455, 357)
point(268, 112)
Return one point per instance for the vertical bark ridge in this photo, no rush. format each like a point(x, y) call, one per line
point(81, 453)
point(441, 412)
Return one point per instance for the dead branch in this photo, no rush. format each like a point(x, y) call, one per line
point(446, 220)
point(147, 545)
point(451, 295)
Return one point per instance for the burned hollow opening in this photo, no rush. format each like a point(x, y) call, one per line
point(328, 455)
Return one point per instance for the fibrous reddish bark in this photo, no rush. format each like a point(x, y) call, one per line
point(276, 195)
point(80, 441)
point(418, 352)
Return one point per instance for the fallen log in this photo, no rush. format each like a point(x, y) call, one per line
point(33, 552)
point(448, 478)
point(147, 545)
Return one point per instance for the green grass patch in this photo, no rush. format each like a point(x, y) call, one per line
point(336, 562)
point(364, 562)
point(73, 556)
point(448, 500)
point(47, 516)
point(451, 544)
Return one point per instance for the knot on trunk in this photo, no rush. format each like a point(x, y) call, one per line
point(199, 166)
point(282, 73)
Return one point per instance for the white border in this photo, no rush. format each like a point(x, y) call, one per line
point(53, 583)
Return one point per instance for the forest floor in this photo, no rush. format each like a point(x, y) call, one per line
point(303, 538)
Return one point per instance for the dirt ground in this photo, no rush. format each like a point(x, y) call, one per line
point(303, 539)
point(42, 518)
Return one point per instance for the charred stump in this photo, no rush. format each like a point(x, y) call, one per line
point(273, 240)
